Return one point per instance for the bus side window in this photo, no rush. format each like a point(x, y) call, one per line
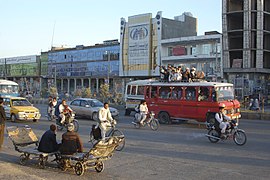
point(174, 93)
point(128, 90)
point(133, 90)
point(140, 90)
point(214, 95)
point(203, 94)
point(180, 93)
point(147, 93)
point(165, 92)
point(153, 92)
point(190, 93)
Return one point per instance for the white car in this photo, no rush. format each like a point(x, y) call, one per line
point(87, 107)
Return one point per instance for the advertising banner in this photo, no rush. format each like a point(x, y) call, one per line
point(19, 60)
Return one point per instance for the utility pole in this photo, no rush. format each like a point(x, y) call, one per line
point(5, 68)
point(109, 66)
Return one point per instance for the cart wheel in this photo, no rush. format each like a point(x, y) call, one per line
point(99, 166)
point(23, 159)
point(62, 164)
point(79, 168)
point(42, 161)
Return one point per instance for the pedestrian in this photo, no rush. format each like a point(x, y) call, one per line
point(2, 122)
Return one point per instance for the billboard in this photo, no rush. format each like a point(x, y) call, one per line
point(19, 60)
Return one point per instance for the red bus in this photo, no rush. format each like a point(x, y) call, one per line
point(187, 100)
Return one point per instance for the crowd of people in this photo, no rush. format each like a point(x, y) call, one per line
point(71, 141)
point(174, 74)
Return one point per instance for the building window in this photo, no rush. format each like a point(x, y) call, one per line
point(170, 51)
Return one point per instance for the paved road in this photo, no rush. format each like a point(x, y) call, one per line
point(178, 151)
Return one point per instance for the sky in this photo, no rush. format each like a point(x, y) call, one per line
point(28, 27)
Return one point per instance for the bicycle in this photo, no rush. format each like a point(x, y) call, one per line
point(151, 121)
point(112, 132)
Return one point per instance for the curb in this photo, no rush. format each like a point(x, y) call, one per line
point(255, 115)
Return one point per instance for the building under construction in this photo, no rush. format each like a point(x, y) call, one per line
point(246, 45)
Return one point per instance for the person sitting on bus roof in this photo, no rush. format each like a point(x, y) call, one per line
point(193, 73)
point(172, 76)
point(222, 119)
point(186, 75)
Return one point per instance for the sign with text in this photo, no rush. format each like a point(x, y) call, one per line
point(19, 60)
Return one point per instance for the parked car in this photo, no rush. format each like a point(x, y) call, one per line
point(19, 108)
point(87, 107)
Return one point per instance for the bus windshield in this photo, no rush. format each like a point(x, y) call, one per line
point(8, 88)
point(225, 93)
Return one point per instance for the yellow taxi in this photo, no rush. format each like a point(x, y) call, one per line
point(19, 108)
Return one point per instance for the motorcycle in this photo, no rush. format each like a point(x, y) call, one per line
point(70, 118)
point(150, 121)
point(232, 132)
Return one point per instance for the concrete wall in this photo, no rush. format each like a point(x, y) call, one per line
point(174, 29)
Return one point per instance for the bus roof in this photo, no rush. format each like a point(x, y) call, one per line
point(154, 82)
point(7, 82)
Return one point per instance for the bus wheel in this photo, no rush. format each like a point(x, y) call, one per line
point(127, 112)
point(164, 118)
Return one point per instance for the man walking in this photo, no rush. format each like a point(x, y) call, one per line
point(2, 122)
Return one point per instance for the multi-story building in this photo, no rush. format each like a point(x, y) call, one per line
point(85, 66)
point(25, 70)
point(202, 52)
point(246, 48)
point(140, 42)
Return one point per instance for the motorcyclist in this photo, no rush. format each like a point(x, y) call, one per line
point(222, 119)
point(105, 120)
point(65, 111)
point(52, 106)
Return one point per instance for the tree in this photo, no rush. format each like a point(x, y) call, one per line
point(86, 92)
point(78, 93)
point(104, 92)
point(53, 91)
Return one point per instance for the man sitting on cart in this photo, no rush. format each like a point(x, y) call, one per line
point(71, 142)
point(48, 141)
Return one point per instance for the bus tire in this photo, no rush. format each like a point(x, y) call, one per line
point(164, 118)
point(127, 112)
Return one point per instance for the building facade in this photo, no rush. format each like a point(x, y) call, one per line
point(25, 70)
point(140, 42)
point(246, 48)
point(201, 52)
point(84, 66)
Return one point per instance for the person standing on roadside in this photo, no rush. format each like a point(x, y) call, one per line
point(2, 122)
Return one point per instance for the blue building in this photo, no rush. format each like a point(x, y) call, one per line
point(85, 66)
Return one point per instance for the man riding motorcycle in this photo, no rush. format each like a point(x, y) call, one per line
point(222, 119)
point(65, 111)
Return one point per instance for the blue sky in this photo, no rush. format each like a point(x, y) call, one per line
point(27, 25)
